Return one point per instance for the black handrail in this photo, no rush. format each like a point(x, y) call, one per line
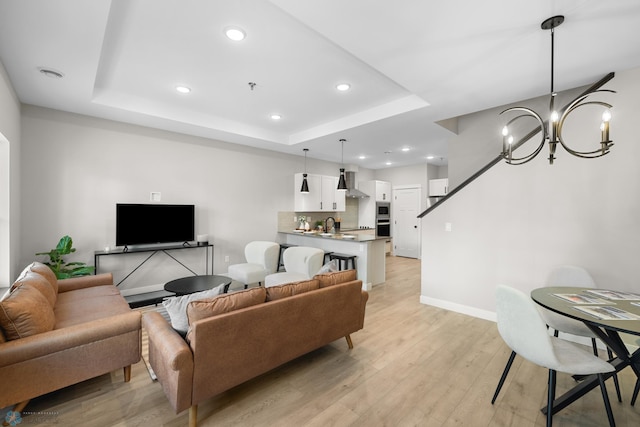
point(522, 140)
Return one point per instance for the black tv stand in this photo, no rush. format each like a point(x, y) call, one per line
point(153, 250)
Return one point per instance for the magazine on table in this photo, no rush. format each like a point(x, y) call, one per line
point(614, 295)
point(607, 312)
point(581, 299)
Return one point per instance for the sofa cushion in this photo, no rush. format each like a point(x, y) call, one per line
point(177, 307)
point(226, 303)
point(46, 272)
point(290, 289)
point(333, 278)
point(25, 312)
point(38, 282)
point(41, 269)
point(87, 304)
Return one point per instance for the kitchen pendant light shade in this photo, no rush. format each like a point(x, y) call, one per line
point(305, 185)
point(342, 183)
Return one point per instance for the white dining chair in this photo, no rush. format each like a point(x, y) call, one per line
point(262, 260)
point(522, 328)
point(300, 263)
point(565, 275)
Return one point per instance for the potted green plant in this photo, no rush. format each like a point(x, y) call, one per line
point(61, 268)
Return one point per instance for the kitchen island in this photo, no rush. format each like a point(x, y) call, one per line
point(369, 250)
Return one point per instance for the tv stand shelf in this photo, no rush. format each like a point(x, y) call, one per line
point(153, 250)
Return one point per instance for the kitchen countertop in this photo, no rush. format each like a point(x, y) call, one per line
point(339, 236)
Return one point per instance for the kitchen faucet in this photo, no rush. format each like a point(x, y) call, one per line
point(333, 225)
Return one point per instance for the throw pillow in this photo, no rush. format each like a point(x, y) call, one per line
point(330, 279)
point(290, 289)
point(226, 303)
point(177, 307)
point(25, 312)
point(329, 267)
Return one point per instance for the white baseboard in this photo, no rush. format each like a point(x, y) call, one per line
point(459, 308)
point(630, 341)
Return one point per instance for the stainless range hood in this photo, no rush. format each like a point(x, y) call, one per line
point(352, 191)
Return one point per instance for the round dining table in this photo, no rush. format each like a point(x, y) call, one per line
point(605, 312)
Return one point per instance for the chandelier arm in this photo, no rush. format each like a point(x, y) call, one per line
point(526, 159)
point(528, 112)
point(570, 108)
point(586, 155)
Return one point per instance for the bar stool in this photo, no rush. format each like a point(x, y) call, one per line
point(283, 247)
point(327, 256)
point(344, 259)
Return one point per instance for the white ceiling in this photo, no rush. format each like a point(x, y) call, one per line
point(410, 64)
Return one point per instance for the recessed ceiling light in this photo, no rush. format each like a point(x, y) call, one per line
point(183, 89)
point(388, 163)
point(343, 87)
point(51, 73)
point(430, 157)
point(234, 33)
point(362, 157)
point(276, 117)
point(405, 149)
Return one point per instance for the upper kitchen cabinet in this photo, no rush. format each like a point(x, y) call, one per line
point(332, 199)
point(438, 187)
point(381, 190)
point(323, 195)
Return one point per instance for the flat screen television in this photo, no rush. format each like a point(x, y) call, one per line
point(141, 224)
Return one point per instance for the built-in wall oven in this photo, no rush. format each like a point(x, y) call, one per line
point(383, 219)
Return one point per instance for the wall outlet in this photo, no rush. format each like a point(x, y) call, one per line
point(295, 219)
point(226, 258)
point(155, 196)
point(447, 226)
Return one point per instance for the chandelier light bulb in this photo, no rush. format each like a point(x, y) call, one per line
point(606, 116)
point(505, 131)
point(554, 116)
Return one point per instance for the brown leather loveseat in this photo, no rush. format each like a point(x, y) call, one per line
point(235, 337)
point(57, 333)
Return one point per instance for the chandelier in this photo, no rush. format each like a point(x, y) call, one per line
point(552, 128)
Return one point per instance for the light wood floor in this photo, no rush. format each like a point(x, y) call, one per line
point(412, 365)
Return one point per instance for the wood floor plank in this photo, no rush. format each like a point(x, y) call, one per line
point(411, 365)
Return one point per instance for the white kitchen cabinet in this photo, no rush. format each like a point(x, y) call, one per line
point(438, 187)
point(383, 191)
point(378, 191)
point(323, 195)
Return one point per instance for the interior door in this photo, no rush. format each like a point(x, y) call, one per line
point(406, 230)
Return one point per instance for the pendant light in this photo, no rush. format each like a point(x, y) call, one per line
point(342, 183)
point(305, 186)
point(552, 128)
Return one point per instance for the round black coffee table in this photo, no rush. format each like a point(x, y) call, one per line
point(191, 284)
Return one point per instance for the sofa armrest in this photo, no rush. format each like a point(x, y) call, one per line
point(103, 279)
point(39, 345)
point(171, 359)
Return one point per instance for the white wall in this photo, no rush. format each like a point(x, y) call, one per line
point(76, 168)
point(9, 180)
point(515, 223)
point(410, 175)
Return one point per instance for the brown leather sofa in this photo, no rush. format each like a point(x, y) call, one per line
point(57, 333)
point(235, 337)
